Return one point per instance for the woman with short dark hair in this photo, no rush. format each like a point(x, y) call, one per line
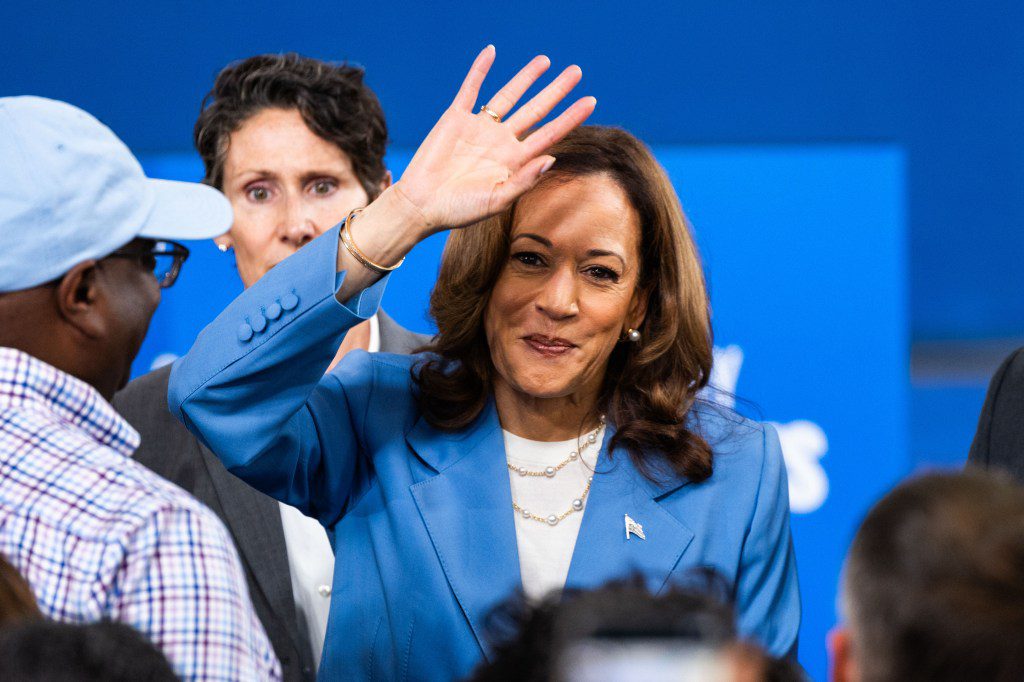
point(332, 100)
point(552, 437)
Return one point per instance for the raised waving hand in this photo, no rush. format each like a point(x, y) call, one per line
point(473, 164)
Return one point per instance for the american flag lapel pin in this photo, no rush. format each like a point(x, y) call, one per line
point(634, 528)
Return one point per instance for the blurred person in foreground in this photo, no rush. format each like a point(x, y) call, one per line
point(933, 585)
point(84, 251)
point(294, 143)
point(45, 651)
point(999, 441)
point(573, 336)
point(621, 632)
point(37, 650)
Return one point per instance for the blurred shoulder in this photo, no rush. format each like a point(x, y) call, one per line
point(147, 393)
point(394, 338)
point(1008, 381)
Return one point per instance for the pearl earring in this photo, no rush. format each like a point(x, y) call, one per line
point(633, 335)
point(223, 248)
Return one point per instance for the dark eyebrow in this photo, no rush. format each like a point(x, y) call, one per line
point(304, 178)
point(309, 176)
point(534, 237)
point(257, 171)
point(597, 253)
point(592, 253)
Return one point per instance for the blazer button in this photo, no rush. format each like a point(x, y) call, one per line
point(259, 323)
point(289, 301)
point(273, 311)
point(244, 332)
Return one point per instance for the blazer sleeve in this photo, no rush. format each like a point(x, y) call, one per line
point(768, 595)
point(253, 388)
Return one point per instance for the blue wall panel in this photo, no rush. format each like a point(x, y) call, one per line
point(805, 250)
point(940, 80)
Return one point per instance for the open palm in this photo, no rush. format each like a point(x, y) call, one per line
point(471, 166)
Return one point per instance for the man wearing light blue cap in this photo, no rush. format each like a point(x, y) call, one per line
point(86, 244)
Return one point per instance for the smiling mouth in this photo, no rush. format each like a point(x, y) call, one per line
point(548, 346)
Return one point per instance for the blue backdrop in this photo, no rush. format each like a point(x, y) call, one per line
point(940, 80)
point(805, 252)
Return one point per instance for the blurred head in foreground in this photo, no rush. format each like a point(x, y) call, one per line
point(622, 632)
point(45, 651)
point(933, 586)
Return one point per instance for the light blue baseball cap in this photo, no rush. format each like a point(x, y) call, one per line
point(70, 191)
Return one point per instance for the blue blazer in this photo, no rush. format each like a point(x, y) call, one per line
point(421, 518)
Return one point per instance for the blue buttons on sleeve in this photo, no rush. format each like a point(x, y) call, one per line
point(289, 301)
point(258, 323)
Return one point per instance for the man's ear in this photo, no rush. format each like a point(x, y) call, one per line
point(79, 299)
point(842, 665)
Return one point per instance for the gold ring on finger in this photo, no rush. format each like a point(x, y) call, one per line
point(487, 110)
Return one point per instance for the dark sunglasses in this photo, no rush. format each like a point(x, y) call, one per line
point(163, 258)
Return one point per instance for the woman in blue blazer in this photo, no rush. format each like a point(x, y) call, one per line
point(572, 310)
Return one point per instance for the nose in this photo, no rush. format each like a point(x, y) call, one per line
point(558, 295)
point(297, 227)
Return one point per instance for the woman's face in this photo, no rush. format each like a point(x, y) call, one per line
point(568, 290)
point(286, 185)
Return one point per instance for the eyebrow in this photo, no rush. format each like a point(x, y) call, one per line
point(305, 177)
point(592, 253)
point(257, 171)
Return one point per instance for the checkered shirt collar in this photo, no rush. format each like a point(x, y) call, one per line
point(26, 380)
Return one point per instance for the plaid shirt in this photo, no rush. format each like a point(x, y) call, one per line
point(99, 537)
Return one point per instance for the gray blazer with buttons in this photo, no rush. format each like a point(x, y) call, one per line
point(253, 519)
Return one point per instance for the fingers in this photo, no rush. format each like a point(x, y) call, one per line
point(523, 179)
point(545, 100)
point(466, 97)
point(506, 98)
point(553, 131)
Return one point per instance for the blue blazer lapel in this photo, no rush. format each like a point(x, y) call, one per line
point(467, 509)
point(603, 551)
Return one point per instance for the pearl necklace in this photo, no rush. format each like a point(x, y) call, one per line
point(553, 519)
point(549, 472)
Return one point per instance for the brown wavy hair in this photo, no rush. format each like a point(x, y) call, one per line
point(649, 387)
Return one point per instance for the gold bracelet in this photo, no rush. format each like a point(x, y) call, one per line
point(350, 246)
